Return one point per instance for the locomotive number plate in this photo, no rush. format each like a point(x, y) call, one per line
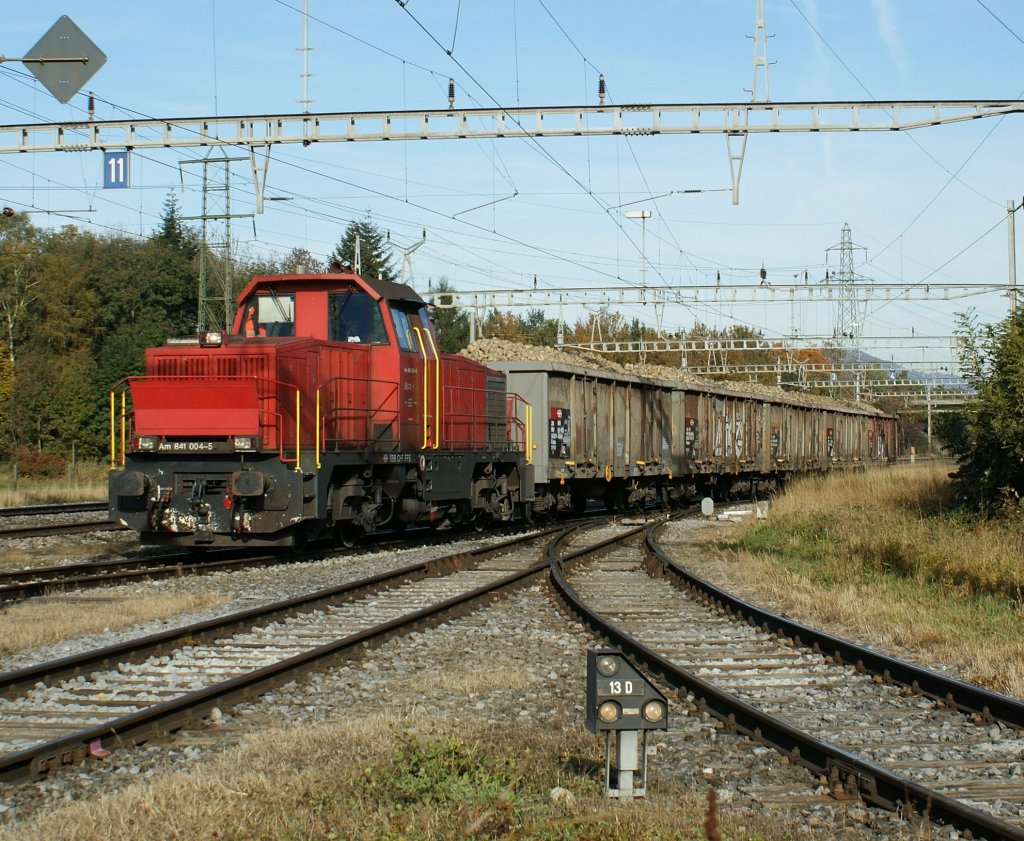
point(186, 446)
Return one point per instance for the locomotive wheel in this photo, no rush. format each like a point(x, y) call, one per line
point(346, 534)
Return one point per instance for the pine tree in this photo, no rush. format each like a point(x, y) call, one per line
point(375, 259)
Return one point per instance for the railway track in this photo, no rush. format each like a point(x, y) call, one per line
point(37, 581)
point(30, 512)
point(50, 529)
point(56, 713)
point(870, 726)
point(53, 508)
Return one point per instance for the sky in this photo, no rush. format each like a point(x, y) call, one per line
point(927, 205)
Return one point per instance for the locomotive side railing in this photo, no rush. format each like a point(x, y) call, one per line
point(473, 429)
point(337, 424)
point(519, 424)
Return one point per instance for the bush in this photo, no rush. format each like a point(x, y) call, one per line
point(37, 464)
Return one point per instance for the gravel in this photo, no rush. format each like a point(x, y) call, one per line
point(525, 663)
point(501, 350)
point(241, 590)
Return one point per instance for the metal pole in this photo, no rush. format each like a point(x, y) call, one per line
point(305, 57)
point(228, 281)
point(928, 397)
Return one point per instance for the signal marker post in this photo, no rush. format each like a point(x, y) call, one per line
point(622, 701)
point(115, 169)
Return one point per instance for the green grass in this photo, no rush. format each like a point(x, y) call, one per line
point(374, 778)
point(881, 553)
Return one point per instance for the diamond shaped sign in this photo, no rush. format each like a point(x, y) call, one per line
point(64, 59)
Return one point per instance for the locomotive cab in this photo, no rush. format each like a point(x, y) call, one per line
point(326, 408)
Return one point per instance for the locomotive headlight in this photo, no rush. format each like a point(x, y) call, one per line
point(245, 442)
point(607, 665)
point(609, 711)
point(654, 711)
point(148, 443)
point(211, 338)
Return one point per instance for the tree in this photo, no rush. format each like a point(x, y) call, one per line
point(374, 258)
point(301, 261)
point(451, 324)
point(988, 436)
point(540, 330)
point(20, 247)
point(173, 233)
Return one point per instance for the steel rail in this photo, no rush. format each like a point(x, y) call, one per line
point(55, 573)
point(19, 681)
point(60, 528)
point(53, 508)
point(947, 691)
point(36, 581)
point(873, 782)
point(173, 714)
point(28, 583)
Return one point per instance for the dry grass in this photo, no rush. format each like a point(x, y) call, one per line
point(57, 550)
point(85, 482)
point(58, 617)
point(375, 778)
point(879, 554)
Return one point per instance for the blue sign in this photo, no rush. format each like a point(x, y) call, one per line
point(833, 376)
point(115, 169)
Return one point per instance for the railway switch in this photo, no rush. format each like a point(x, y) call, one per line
point(622, 701)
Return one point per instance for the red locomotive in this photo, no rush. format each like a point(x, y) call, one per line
point(327, 408)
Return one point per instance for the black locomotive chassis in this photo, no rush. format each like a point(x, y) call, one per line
point(222, 499)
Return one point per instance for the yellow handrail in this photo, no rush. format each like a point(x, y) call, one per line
point(528, 443)
point(317, 433)
point(438, 426)
point(113, 439)
point(426, 399)
point(124, 406)
point(298, 431)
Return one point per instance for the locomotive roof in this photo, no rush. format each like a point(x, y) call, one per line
point(378, 288)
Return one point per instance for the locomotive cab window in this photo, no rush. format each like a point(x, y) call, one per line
point(353, 316)
point(406, 322)
point(268, 315)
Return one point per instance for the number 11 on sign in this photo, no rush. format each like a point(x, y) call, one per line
point(115, 169)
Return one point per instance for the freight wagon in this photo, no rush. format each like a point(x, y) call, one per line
point(629, 440)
